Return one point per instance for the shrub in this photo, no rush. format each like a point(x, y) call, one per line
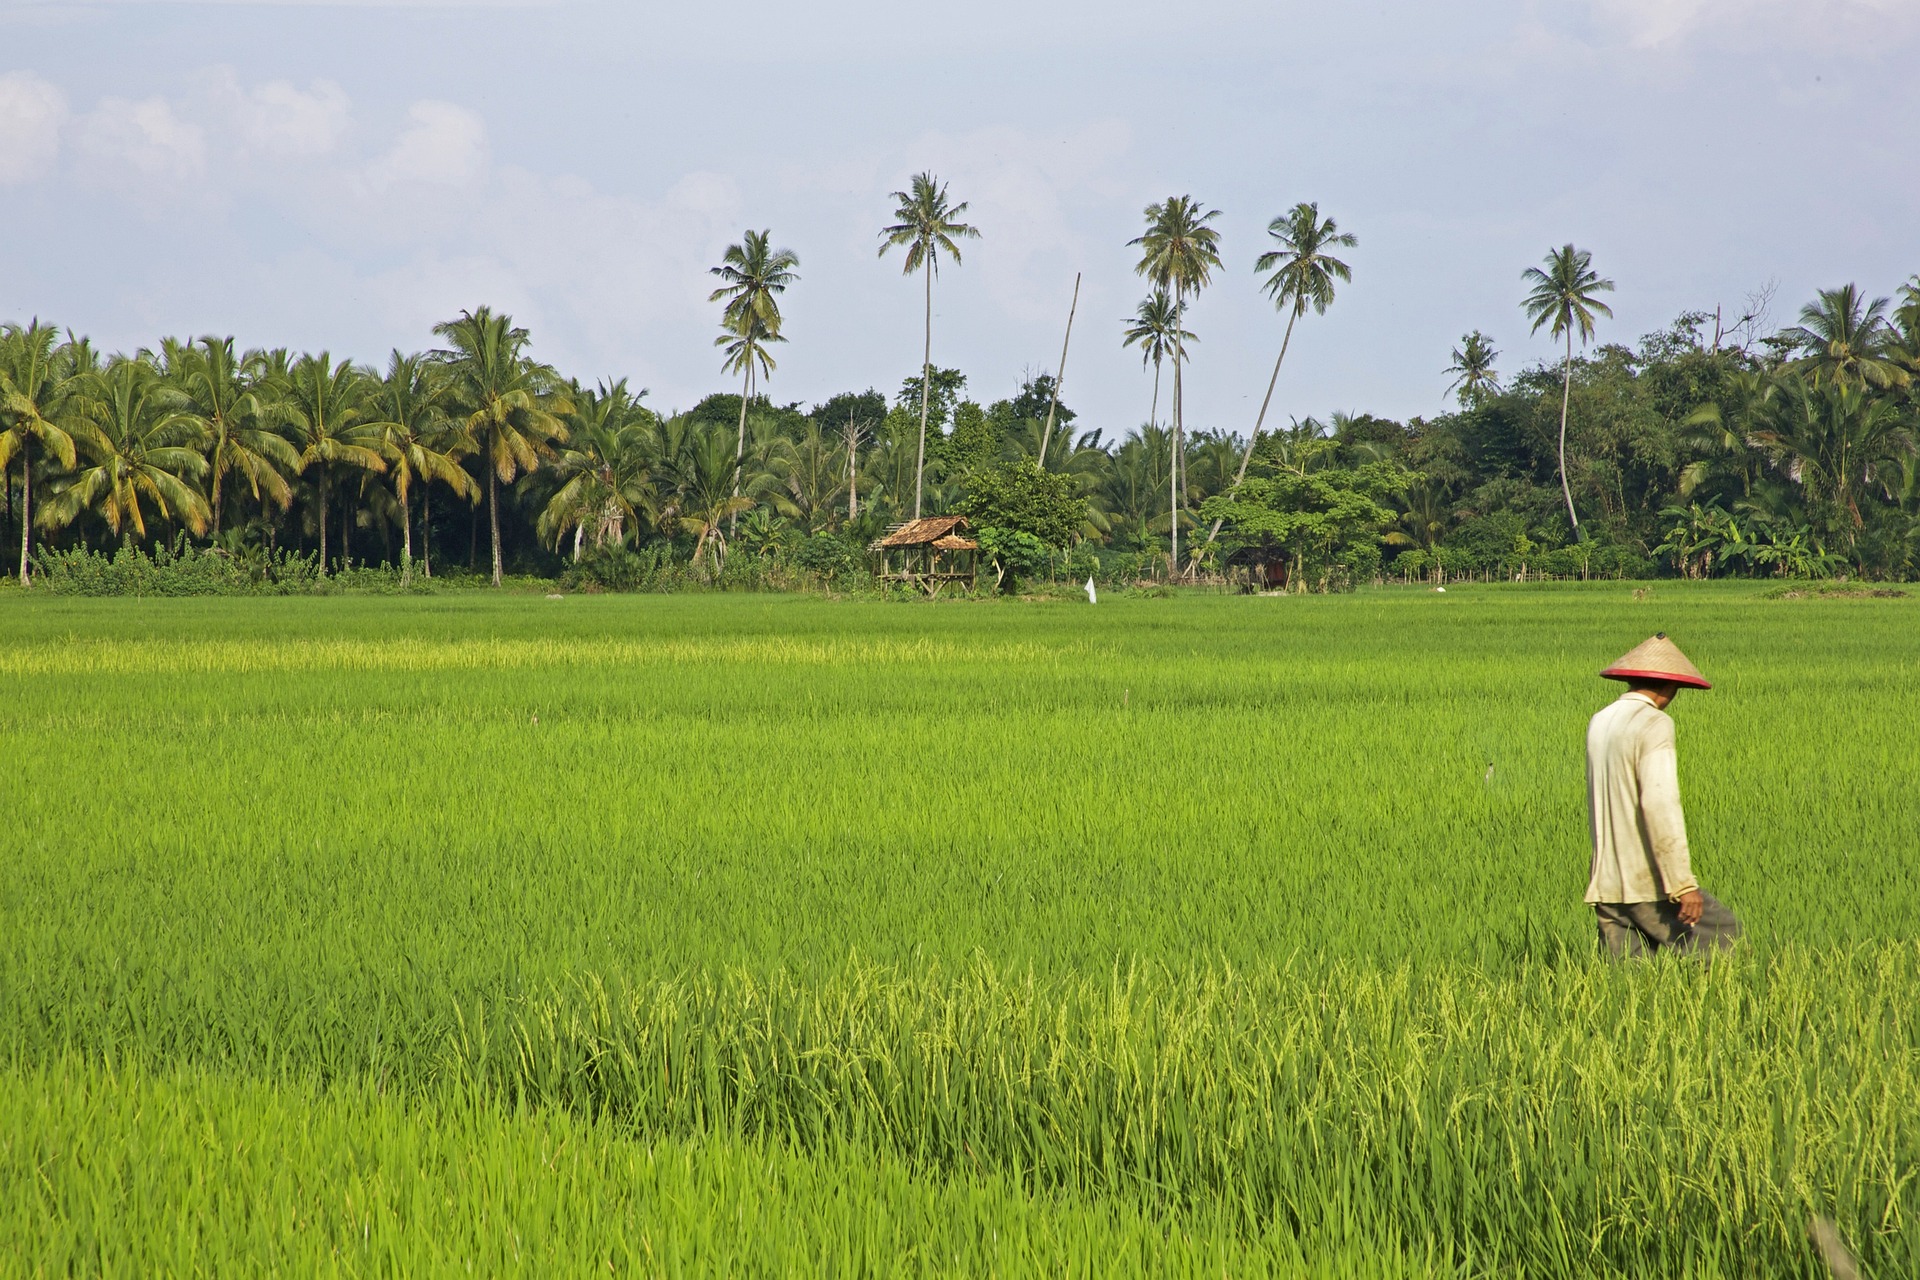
point(1014, 554)
point(828, 555)
point(178, 570)
point(617, 567)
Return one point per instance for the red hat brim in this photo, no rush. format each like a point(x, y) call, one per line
point(1628, 673)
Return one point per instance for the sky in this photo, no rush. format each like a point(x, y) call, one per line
point(342, 176)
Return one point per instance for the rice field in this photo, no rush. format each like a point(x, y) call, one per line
point(759, 935)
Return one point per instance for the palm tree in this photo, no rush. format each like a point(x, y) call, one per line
point(1178, 252)
point(887, 472)
point(325, 408)
point(1832, 438)
point(1563, 296)
point(505, 400)
point(1303, 276)
point(240, 437)
point(37, 404)
point(755, 274)
point(136, 455)
point(418, 440)
point(706, 488)
point(1151, 328)
point(1134, 486)
point(1847, 340)
point(812, 474)
point(606, 470)
point(926, 226)
point(746, 349)
point(1424, 514)
point(1473, 374)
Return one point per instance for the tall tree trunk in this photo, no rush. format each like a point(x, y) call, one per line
point(473, 538)
point(740, 450)
point(926, 388)
point(346, 528)
point(219, 475)
point(1247, 456)
point(493, 519)
point(1153, 417)
point(1173, 470)
point(406, 538)
point(325, 494)
point(26, 507)
point(579, 537)
point(1566, 392)
point(426, 530)
point(853, 470)
point(1053, 401)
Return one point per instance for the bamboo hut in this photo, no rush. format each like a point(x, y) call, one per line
point(929, 553)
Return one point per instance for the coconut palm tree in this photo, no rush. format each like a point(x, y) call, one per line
point(240, 435)
point(746, 349)
point(1425, 514)
point(756, 274)
point(1473, 373)
point(508, 402)
point(325, 408)
point(1151, 328)
point(39, 405)
point(1564, 297)
point(138, 456)
point(1178, 254)
point(606, 470)
point(1845, 339)
point(1834, 439)
point(812, 474)
point(706, 485)
point(926, 226)
point(418, 439)
point(1133, 487)
point(1303, 276)
point(887, 471)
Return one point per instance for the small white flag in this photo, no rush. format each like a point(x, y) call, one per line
point(1091, 597)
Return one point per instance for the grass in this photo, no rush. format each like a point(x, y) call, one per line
point(129, 1174)
point(1251, 922)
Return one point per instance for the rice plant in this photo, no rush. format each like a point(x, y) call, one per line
point(1251, 924)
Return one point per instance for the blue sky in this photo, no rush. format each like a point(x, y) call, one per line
point(342, 175)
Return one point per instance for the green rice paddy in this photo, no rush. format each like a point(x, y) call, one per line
point(749, 935)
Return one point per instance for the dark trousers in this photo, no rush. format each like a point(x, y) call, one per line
point(1641, 928)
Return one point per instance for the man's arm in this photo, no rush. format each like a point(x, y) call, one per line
point(1666, 824)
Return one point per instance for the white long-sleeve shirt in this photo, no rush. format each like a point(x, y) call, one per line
point(1633, 793)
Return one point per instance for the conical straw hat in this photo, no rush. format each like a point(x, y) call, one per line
point(1657, 659)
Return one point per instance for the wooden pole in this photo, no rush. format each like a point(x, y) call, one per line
point(853, 470)
point(1053, 400)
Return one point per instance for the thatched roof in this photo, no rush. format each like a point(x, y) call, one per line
point(925, 532)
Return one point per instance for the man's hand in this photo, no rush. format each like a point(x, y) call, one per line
point(1691, 905)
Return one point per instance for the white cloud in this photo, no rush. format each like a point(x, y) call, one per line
point(621, 282)
point(1020, 188)
point(1651, 24)
point(443, 145)
point(144, 149)
point(31, 113)
point(279, 120)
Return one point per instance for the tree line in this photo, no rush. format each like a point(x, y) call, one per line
point(1708, 448)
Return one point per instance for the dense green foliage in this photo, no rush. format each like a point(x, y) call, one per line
point(1697, 452)
point(737, 899)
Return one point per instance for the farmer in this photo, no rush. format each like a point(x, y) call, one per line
point(1643, 890)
